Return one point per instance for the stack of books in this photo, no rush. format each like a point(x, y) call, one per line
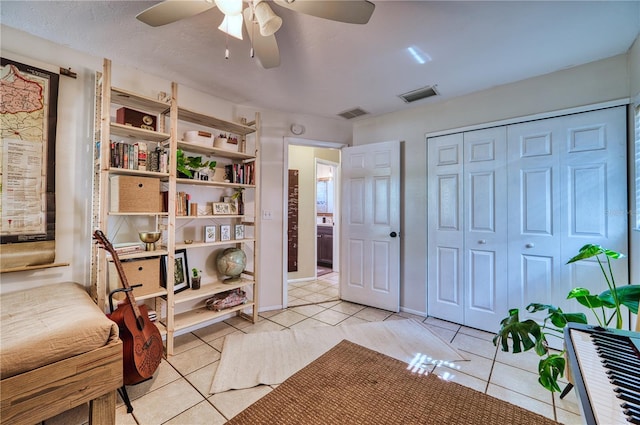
point(128, 247)
point(153, 316)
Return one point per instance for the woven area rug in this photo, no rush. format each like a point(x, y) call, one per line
point(271, 357)
point(353, 385)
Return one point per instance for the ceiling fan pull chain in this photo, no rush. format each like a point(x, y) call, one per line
point(253, 25)
point(226, 47)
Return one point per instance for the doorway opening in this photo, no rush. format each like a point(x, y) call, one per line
point(312, 257)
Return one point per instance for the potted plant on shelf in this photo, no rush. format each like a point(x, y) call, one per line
point(606, 307)
point(239, 202)
point(187, 166)
point(195, 279)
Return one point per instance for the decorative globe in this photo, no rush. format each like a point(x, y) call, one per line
point(231, 262)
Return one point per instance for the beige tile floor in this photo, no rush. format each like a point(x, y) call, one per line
point(179, 391)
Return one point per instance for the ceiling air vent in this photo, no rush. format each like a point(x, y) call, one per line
point(353, 113)
point(422, 93)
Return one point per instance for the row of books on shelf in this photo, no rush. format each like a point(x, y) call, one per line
point(240, 173)
point(139, 156)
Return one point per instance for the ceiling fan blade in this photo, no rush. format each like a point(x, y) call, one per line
point(170, 11)
point(265, 48)
point(349, 11)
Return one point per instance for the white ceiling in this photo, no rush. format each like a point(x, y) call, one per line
point(329, 67)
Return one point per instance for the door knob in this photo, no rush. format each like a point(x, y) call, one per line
point(482, 242)
point(529, 245)
point(393, 234)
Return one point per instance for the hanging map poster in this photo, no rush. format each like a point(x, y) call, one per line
point(28, 116)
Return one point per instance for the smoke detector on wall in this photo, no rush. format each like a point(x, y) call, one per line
point(297, 129)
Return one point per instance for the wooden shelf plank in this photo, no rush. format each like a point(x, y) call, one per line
point(125, 171)
point(201, 315)
point(212, 183)
point(131, 132)
point(211, 151)
point(136, 101)
point(210, 244)
point(188, 115)
point(209, 289)
point(140, 254)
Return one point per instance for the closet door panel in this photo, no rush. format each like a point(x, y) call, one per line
point(445, 228)
point(534, 212)
point(594, 183)
point(485, 209)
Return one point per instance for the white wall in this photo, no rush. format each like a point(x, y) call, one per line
point(74, 158)
point(634, 94)
point(596, 82)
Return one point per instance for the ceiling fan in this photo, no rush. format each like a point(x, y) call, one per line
point(259, 19)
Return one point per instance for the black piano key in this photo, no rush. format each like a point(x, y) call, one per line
point(631, 398)
point(611, 338)
point(614, 347)
point(620, 374)
point(630, 409)
point(632, 386)
point(627, 370)
point(628, 354)
point(628, 364)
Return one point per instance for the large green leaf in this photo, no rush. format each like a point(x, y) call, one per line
point(628, 295)
point(556, 315)
point(587, 299)
point(521, 333)
point(550, 369)
point(591, 250)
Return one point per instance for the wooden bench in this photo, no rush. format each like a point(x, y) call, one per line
point(33, 395)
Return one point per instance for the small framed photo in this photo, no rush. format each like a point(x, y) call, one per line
point(225, 232)
point(221, 208)
point(180, 271)
point(209, 233)
point(239, 231)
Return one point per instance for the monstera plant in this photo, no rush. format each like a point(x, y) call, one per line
point(606, 308)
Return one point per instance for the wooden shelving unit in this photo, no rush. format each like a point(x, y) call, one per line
point(186, 309)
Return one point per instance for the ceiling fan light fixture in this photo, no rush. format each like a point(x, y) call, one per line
point(232, 25)
point(268, 21)
point(230, 7)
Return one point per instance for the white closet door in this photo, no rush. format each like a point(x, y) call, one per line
point(445, 226)
point(567, 188)
point(594, 185)
point(508, 206)
point(485, 236)
point(534, 212)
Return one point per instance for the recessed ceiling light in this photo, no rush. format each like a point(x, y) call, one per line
point(418, 55)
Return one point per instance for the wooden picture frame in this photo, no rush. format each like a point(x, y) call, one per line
point(180, 271)
point(209, 234)
point(225, 232)
point(221, 208)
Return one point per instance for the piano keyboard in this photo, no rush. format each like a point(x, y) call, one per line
point(605, 364)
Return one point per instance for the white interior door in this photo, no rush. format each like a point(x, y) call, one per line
point(370, 263)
